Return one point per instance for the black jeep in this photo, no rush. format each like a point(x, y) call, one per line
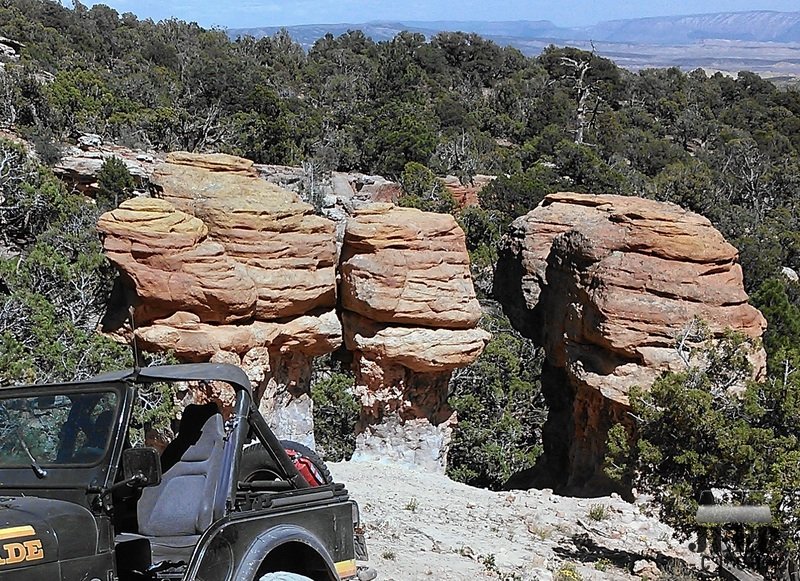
point(77, 502)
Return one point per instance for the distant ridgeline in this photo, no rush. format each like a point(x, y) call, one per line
point(722, 41)
point(756, 25)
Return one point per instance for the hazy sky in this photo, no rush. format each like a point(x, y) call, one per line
point(253, 13)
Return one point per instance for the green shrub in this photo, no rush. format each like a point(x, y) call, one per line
point(500, 410)
point(424, 191)
point(115, 183)
point(335, 414)
point(598, 512)
point(57, 283)
point(695, 433)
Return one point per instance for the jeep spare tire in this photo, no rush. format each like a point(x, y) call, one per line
point(257, 464)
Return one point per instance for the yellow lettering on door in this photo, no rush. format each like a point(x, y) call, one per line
point(19, 552)
point(34, 550)
point(16, 553)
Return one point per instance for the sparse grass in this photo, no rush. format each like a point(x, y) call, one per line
point(602, 565)
point(412, 504)
point(388, 555)
point(598, 512)
point(490, 565)
point(488, 561)
point(567, 572)
point(466, 551)
point(542, 533)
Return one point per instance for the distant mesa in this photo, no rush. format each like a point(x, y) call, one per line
point(762, 41)
point(756, 26)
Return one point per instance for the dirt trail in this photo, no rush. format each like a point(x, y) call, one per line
point(425, 526)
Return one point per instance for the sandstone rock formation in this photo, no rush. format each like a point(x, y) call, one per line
point(288, 252)
point(402, 265)
point(607, 285)
point(410, 314)
point(174, 265)
point(80, 165)
point(224, 266)
point(466, 194)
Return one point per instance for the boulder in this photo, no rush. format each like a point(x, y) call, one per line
point(419, 349)
point(405, 266)
point(225, 265)
point(608, 285)
point(173, 265)
point(288, 252)
point(409, 318)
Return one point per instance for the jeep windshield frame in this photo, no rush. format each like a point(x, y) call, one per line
point(75, 464)
point(246, 421)
point(56, 428)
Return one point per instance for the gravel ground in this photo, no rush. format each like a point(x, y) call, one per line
point(425, 526)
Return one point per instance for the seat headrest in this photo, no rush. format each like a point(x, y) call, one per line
point(193, 418)
point(212, 434)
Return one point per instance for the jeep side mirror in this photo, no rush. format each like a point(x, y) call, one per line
point(141, 467)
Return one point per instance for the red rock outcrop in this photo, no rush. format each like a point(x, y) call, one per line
point(223, 266)
point(227, 267)
point(466, 195)
point(410, 314)
point(288, 251)
point(174, 265)
point(404, 266)
point(607, 285)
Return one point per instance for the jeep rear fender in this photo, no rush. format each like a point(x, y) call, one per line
point(287, 548)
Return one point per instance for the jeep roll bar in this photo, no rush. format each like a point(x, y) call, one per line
point(245, 408)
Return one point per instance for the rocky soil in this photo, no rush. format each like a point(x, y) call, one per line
point(421, 525)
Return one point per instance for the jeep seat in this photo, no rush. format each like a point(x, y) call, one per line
point(193, 418)
point(173, 514)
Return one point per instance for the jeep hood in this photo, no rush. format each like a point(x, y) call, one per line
point(35, 531)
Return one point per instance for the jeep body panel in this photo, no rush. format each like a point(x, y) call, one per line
point(65, 515)
point(38, 537)
point(245, 540)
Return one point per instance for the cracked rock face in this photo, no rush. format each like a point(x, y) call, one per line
point(223, 266)
point(409, 318)
point(607, 284)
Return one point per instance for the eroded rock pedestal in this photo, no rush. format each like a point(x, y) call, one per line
point(223, 266)
point(607, 285)
point(409, 319)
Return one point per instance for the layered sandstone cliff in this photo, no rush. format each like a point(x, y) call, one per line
point(608, 285)
point(226, 267)
point(221, 265)
point(410, 314)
